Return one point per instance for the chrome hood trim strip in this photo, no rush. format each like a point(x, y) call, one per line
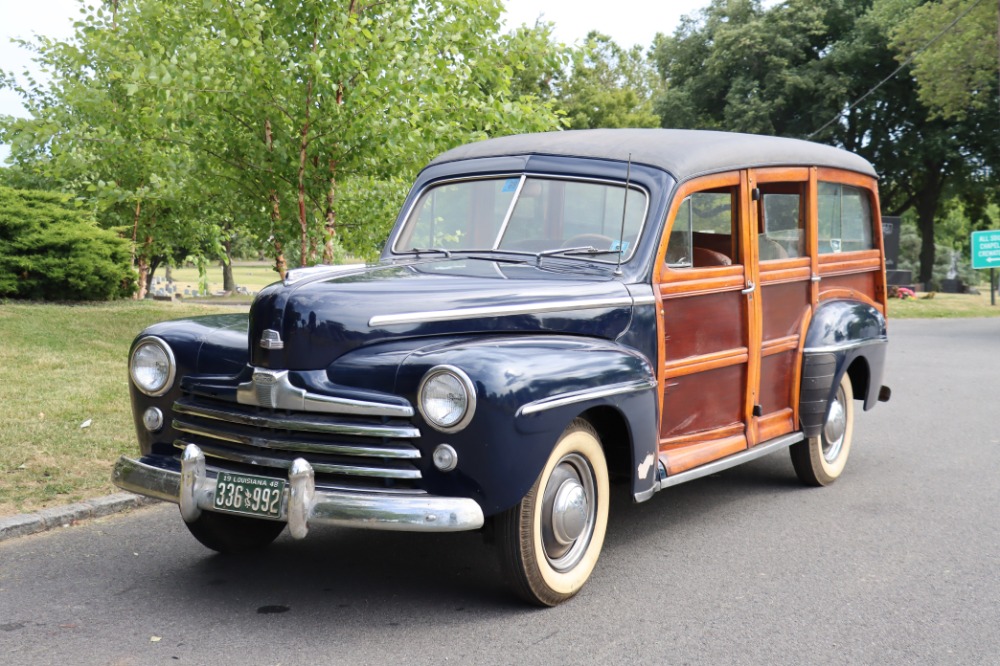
point(407, 318)
point(272, 389)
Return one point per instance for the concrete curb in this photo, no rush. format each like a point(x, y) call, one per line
point(71, 514)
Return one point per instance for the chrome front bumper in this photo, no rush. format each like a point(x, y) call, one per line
point(304, 505)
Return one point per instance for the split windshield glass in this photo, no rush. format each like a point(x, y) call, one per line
point(527, 214)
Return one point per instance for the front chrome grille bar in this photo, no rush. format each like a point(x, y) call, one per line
point(321, 468)
point(406, 452)
point(279, 422)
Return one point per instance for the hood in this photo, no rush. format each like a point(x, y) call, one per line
point(306, 324)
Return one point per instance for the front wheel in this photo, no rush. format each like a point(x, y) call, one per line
point(820, 460)
point(229, 534)
point(550, 541)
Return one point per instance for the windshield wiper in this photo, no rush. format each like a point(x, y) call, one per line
point(428, 250)
point(589, 250)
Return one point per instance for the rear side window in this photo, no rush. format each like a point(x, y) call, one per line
point(845, 219)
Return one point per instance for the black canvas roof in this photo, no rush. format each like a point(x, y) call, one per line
point(682, 153)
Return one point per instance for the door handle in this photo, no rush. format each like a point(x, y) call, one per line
point(750, 288)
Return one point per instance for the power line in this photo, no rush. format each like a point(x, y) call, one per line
point(897, 70)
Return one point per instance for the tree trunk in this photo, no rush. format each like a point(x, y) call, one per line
point(228, 283)
point(330, 226)
point(142, 260)
point(927, 206)
point(279, 255)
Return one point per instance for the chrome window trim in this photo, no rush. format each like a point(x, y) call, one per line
point(574, 397)
point(282, 394)
point(497, 311)
point(524, 175)
point(510, 211)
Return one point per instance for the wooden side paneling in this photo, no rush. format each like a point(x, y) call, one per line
point(705, 324)
point(703, 401)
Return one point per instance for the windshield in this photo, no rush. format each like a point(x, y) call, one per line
point(527, 214)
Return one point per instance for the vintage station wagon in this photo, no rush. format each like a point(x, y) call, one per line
point(550, 314)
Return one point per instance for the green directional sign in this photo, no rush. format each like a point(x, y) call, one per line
point(986, 249)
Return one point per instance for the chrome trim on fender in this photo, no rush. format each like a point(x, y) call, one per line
point(853, 344)
point(272, 389)
point(428, 317)
point(380, 511)
point(732, 461)
point(564, 399)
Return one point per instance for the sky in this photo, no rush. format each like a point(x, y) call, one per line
point(628, 22)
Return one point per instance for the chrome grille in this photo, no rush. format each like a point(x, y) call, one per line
point(345, 450)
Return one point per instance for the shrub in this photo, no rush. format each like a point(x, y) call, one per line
point(52, 250)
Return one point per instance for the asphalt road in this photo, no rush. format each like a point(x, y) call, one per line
point(896, 563)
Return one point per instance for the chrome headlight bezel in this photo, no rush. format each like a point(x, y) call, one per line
point(460, 380)
point(157, 344)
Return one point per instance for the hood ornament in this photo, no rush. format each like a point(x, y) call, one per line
point(271, 339)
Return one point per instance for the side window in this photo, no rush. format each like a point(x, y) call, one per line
point(782, 232)
point(845, 219)
point(702, 233)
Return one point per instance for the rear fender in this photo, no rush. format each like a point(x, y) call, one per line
point(843, 336)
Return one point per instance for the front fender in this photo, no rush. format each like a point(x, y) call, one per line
point(528, 391)
point(213, 344)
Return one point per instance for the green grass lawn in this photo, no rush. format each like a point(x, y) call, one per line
point(64, 365)
point(944, 305)
point(61, 366)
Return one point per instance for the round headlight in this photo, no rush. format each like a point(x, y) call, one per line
point(447, 398)
point(152, 367)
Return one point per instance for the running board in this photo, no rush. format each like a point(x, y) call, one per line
point(732, 461)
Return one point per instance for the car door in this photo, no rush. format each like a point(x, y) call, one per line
point(781, 209)
point(708, 326)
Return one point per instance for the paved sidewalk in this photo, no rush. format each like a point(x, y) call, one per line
point(63, 516)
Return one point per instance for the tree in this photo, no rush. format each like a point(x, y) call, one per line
point(954, 49)
point(609, 86)
point(52, 250)
point(92, 133)
point(287, 101)
point(824, 70)
point(181, 119)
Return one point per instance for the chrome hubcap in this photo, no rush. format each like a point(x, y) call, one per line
point(835, 427)
point(568, 512)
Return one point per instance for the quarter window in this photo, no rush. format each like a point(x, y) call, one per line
point(702, 233)
point(845, 219)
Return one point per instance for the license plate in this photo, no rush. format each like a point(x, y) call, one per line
point(249, 495)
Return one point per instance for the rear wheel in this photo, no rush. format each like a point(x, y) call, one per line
point(225, 533)
point(820, 460)
point(550, 541)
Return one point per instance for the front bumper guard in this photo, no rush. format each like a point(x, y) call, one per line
point(304, 505)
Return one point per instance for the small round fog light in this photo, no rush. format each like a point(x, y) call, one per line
point(152, 418)
point(445, 458)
